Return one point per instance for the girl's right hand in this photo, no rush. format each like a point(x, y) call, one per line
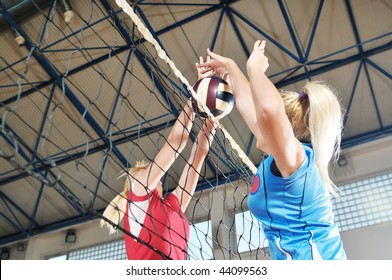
point(202, 71)
point(218, 65)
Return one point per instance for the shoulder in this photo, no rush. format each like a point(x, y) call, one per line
point(148, 196)
point(173, 201)
point(309, 152)
point(172, 197)
point(308, 162)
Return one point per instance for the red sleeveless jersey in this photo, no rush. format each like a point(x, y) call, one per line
point(158, 222)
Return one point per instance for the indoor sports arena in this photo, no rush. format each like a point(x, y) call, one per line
point(109, 150)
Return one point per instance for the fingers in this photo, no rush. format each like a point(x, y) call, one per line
point(256, 45)
point(211, 54)
point(262, 45)
point(202, 63)
point(207, 69)
point(199, 64)
point(203, 70)
point(259, 46)
point(206, 63)
point(214, 64)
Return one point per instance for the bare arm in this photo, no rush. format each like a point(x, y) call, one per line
point(175, 143)
point(272, 121)
point(190, 174)
point(240, 86)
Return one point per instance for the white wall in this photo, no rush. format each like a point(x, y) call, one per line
point(373, 242)
point(369, 243)
point(50, 244)
point(364, 161)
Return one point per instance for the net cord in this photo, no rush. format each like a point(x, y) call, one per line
point(162, 54)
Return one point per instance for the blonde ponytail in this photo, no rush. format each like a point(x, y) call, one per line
point(325, 126)
point(315, 115)
point(115, 211)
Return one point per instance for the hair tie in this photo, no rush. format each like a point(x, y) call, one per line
point(303, 94)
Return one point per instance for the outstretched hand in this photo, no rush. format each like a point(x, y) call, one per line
point(216, 65)
point(202, 71)
point(257, 60)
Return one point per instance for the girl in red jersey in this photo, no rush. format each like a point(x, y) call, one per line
point(158, 226)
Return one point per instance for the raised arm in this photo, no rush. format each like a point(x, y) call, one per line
point(190, 174)
point(239, 84)
point(272, 121)
point(175, 143)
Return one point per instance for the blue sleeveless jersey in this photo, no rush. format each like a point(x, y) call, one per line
point(296, 212)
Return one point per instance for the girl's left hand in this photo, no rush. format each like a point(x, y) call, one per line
point(257, 60)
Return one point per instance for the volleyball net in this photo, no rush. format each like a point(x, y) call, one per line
point(88, 99)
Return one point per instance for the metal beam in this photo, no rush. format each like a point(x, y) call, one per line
point(46, 228)
point(316, 21)
point(6, 199)
point(13, 140)
point(210, 10)
point(45, 64)
point(72, 157)
point(115, 52)
point(350, 102)
point(237, 31)
point(354, 25)
point(218, 25)
point(27, 92)
point(366, 137)
point(37, 170)
point(23, 10)
point(108, 127)
point(373, 96)
point(291, 31)
point(35, 211)
point(378, 68)
point(268, 37)
point(171, 27)
point(43, 121)
point(335, 64)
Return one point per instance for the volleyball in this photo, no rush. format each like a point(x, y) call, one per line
point(216, 94)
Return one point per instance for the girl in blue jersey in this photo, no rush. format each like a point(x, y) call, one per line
point(300, 133)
